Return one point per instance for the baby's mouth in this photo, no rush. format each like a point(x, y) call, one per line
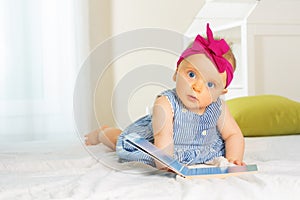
point(192, 98)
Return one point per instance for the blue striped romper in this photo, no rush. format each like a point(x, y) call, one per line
point(196, 137)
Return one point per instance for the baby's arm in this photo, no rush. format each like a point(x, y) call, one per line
point(233, 137)
point(162, 123)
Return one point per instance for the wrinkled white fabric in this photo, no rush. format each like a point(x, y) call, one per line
point(60, 171)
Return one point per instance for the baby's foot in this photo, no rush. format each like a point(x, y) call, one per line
point(92, 138)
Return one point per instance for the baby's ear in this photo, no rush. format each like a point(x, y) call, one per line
point(224, 91)
point(174, 76)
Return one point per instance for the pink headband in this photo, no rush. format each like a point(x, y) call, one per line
point(214, 50)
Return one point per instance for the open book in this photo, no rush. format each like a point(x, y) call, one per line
point(183, 170)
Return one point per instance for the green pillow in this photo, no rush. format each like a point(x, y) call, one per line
point(266, 115)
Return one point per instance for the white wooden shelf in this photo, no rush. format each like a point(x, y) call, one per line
point(265, 43)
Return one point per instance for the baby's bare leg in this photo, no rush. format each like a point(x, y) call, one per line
point(106, 135)
point(109, 137)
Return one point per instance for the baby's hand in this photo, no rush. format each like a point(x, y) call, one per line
point(237, 162)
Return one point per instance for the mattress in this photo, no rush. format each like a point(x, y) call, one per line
point(54, 170)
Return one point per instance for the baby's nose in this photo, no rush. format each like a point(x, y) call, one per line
point(197, 86)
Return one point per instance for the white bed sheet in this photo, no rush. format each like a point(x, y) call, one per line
point(68, 171)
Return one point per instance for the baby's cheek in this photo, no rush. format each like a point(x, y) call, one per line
point(215, 94)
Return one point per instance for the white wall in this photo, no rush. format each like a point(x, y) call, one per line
point(129, 15)
point(100, 28)
point(176, 15)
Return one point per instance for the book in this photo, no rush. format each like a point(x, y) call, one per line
point(184, 170)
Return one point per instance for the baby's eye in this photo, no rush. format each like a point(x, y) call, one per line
point(191, 74)
point(210, 84)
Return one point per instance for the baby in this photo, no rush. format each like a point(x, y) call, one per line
point(191, 122)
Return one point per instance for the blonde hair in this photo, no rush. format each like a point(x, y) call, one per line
point(231, 58)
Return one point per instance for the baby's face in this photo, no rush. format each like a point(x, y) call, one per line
point(198, 82)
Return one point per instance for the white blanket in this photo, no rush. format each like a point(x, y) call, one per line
point(70, 171)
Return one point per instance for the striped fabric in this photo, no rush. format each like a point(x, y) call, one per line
point(196, 137)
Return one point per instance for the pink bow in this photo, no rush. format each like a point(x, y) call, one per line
point(214, 50)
